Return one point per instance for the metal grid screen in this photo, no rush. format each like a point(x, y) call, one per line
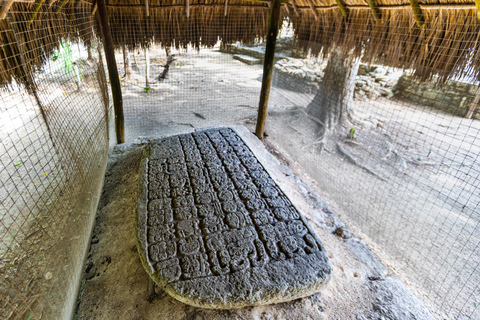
point(54, 145)
point(394, 149)
point(402, 164)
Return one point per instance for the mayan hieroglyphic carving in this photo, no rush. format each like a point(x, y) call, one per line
point(212, 209)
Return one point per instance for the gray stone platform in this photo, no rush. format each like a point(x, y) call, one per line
point(247, 59)
point(214, 230)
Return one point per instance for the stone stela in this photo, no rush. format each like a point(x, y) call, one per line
point(212, 211)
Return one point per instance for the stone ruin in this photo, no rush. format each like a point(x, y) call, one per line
point(214, 230)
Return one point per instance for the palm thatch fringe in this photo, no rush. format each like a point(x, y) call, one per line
point(40, 31)
point(447, 44)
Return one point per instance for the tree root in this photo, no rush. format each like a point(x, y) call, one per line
point(166, 67)
point(352, 142)
point(399, 158)
point(185, 124)
point(355, 162)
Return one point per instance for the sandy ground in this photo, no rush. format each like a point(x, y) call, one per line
point(115, 284)
point(420, 207)
point(423, 221)
point(47, 193)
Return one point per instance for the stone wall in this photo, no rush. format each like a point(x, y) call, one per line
point(304, 76)
point(453, 97)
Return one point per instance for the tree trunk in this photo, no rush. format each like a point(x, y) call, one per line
point(89, 51)
point(332, 104)
point(473, 106)
point(126, 62)
point(147, 68)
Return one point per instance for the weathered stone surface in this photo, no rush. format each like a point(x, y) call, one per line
point(247, 59)
point(216, 231)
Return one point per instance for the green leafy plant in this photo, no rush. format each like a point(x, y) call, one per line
point(70, 64)
point(147, 89)
point(351, 134)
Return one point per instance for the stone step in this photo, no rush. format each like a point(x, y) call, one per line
point(247, 59)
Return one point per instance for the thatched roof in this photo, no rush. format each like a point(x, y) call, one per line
point(439, 37)
point(431, 36)
point(26, 43)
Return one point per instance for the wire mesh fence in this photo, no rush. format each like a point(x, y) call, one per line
point(396, 149)
point(403, 165)
point(54, 144)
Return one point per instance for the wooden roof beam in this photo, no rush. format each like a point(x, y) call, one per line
point(294, 5)
point(417, 13)
point(4, 9)
point(35, 12)
point(373, 7)
point(269, 1)
point(187, 8)
point(287, 9)
point(343, 8)
point(226, 6)
point(61, 5)
point(477, 4)
point(319, 8)
point(313, 9)
point(7, 4)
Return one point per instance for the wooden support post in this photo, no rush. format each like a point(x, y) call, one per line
point(147, 70)
point(29, 81)
point(35, 12)
point(417, 13)
point(268, 66)
point(61, 5)
point(147, 9)
point(312, 7)
point(94, 9)
point(342, 8)
point(294, 5)
point(112, 72)
point(477, 4)
point(373, 7)
point(4, 9)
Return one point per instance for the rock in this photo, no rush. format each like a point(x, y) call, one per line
point(48, 275)
point(295, 62)
point(219, 240)
point(343, 233)
point(379, 71)
point(247, 59)
point(362, 253)
point(359, 94)
point(373, 94)
point(299, 73)
point(310, 76)
point(384, 92)
point(360, 83)
point(394, 302)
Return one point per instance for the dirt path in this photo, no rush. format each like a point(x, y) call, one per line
point(424, 209)
point(420, 204)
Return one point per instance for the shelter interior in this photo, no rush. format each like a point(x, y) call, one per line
point(377, 101)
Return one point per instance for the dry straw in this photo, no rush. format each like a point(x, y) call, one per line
point(431, 38)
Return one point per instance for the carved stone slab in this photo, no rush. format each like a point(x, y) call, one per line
point(216, 231)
